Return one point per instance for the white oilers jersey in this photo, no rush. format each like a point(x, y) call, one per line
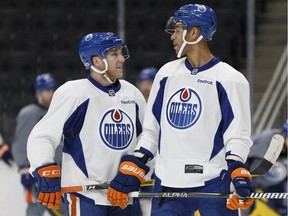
point(99, 125)
point(194, 117)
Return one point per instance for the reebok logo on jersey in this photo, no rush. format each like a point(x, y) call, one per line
point(184, 108)
point(116, 129)
point(127, 102)
point(205, 81)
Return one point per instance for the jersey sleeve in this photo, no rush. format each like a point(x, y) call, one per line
point(234, 97)
point(47, 133)
point(151, 125)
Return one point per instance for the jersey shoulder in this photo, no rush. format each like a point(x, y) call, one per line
point(171, 67)
point(73, 88)
point(228, 73)
point(130, 89)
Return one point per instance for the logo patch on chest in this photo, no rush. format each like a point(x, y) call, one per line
point(116, 129)
point(184, 108)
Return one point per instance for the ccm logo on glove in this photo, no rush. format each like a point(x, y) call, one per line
point(130, 168)
point(50, 172)
point(241, 172)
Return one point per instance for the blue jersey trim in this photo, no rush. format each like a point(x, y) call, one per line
point(210, 64)
point(138, 123)
point(157, 105)
point(72, 141)
point(147, 152)
point(227, 118)
point(115, 86)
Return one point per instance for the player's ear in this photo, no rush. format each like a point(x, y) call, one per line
point(97, 62)
point(193, 33)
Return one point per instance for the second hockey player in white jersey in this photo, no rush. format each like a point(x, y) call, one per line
point(100, 118)
point(197, 125)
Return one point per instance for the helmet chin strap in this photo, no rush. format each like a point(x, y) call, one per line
point(186, 42)
point(104, 74)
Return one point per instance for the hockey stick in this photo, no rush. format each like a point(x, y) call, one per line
point(271, 195)
point(270, 157)
point(92, 187)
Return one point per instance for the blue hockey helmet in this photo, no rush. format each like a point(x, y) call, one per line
point(194, 15)
point(147, 73)
point(285, 128)
point(97, 44)
point(45, 81)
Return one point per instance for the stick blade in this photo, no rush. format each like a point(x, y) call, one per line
point(272, 154)
point(275, 148)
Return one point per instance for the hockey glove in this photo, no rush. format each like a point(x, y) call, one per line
point(5, 154)
point(27, 179)
point(241, 185)
point(49, 185)
point(129, 178)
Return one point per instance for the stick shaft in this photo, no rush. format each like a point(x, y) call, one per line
point(92, 187)
point(271, 195)
point(269, 159)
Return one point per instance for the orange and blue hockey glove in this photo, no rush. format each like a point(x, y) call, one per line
point(49, 185)
point(241, 184)
point(129, 178)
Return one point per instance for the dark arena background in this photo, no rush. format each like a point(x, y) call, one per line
point(43, 36)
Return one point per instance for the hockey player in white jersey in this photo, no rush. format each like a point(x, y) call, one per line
point(197, 125)
point(100, 118)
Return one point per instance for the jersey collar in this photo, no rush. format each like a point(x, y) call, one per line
point(111, 90)
point(194, 71)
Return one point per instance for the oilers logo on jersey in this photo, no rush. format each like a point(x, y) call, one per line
point(183, 108)
point(116, 129)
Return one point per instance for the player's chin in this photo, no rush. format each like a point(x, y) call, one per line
point(176, 50)
point(119, 74)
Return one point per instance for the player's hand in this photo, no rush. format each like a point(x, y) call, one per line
point(129, 178)
point(27, 179)
point(49, 185)
point(5, 154)
point(241, 185)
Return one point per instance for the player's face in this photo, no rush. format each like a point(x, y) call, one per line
point(177, 35)
point(145, 87)
point(115, 62)
point(44, 97)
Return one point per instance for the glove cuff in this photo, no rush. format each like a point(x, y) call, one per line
point(48, 171)
point(238, 169)
point(131, 165)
